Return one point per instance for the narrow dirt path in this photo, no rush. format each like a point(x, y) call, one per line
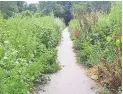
point(71, 79)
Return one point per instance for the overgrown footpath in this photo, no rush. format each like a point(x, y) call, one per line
point(27, 51)
point(97, 39)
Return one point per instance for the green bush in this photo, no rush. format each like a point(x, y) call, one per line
point(100, 36)
point(100, 44)
point(27, 51)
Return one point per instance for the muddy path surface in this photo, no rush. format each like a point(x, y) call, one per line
point(71, 79)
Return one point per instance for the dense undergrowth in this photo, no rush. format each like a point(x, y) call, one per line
point(27, 51)
point(97, 38)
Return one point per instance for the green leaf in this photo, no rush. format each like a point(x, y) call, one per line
point(108, 38)
point(2, 53)
point(117, 42)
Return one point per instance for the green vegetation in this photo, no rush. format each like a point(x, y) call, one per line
point(61, 9)
point(97, 39)
point(27, 51)
point(29, 34)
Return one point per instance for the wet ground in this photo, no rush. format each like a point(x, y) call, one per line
point(71, 79)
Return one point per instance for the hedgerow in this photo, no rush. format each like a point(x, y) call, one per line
point(27, 51)
point(97, 38)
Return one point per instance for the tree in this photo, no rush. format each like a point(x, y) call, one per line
point(103, 6)
point(46, 6)
point(8, 8)
point(32, 7)
point(22, 5)
point(67, 6)
point(58, 11)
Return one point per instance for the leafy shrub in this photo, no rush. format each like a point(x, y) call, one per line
point(100, 37)
point(27, 51)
